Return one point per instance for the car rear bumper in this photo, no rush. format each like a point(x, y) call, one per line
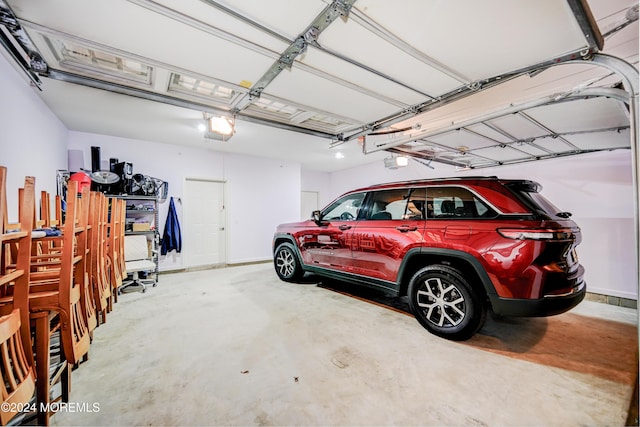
point(546, 306)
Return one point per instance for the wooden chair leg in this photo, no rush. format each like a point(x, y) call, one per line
point(42, 345)
point(45, 380)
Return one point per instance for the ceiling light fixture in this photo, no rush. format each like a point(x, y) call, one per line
point(221, 125)
point(395, 162)
point(220, 128)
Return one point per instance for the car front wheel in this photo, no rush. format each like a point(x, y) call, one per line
point(286, 263)
point(445, 304)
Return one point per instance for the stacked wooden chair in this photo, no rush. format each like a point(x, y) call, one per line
point(59, 275)
point(53, 292)
point(17, 364)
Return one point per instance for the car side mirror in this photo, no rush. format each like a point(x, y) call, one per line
point(317, 218)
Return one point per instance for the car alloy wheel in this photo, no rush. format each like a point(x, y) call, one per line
point(286, 263)
point(444, 303)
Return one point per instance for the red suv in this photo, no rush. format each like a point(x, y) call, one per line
point(455, 246)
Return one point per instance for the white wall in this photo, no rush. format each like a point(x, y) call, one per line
point(596, 188)
point(32, 140)
point(261, 192)
point(318, 182)
point(375, 173)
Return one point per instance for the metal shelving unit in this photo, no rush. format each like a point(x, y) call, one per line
point(142, 218)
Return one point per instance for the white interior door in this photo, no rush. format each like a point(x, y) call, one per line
point(308, 204)
point(204, 223)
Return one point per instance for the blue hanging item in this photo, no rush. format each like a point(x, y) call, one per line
point(171, 239)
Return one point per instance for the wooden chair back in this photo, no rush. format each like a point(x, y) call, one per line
point(49, 220)
point(16, 355)
point(82, 266)
point(4, 218)
point(99, 268)
point(116, 243)
point(15, 250)
point(9, 250)
point(75, 334)
point(18, 374)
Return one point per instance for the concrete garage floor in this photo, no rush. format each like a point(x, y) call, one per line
point(236, 346)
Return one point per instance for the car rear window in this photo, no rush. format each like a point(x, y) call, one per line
point(529, 193)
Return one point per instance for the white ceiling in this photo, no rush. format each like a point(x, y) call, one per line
point(417, 77)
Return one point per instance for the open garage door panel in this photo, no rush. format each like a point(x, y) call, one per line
point(559, 125)
point(338, 69)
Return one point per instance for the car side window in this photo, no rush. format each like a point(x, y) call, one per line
point(345, 208)
point(399, 204)
point(456, 202)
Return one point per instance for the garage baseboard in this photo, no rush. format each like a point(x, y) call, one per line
point(213, 266)
point(611, 300)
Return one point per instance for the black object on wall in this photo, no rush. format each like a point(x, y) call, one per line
point(95, 159)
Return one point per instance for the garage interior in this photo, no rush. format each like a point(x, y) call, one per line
point(324, 97)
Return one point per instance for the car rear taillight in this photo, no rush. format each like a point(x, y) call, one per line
point(557, 235)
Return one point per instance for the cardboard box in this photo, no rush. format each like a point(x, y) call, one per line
point(141, 226)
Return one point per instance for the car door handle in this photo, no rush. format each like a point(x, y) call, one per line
point(405, 228)
point(344, 227)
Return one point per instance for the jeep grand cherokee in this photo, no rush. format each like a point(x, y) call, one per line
point(456, 246)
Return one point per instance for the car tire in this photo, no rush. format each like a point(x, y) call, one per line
point(286, 263)
point(445, 304)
